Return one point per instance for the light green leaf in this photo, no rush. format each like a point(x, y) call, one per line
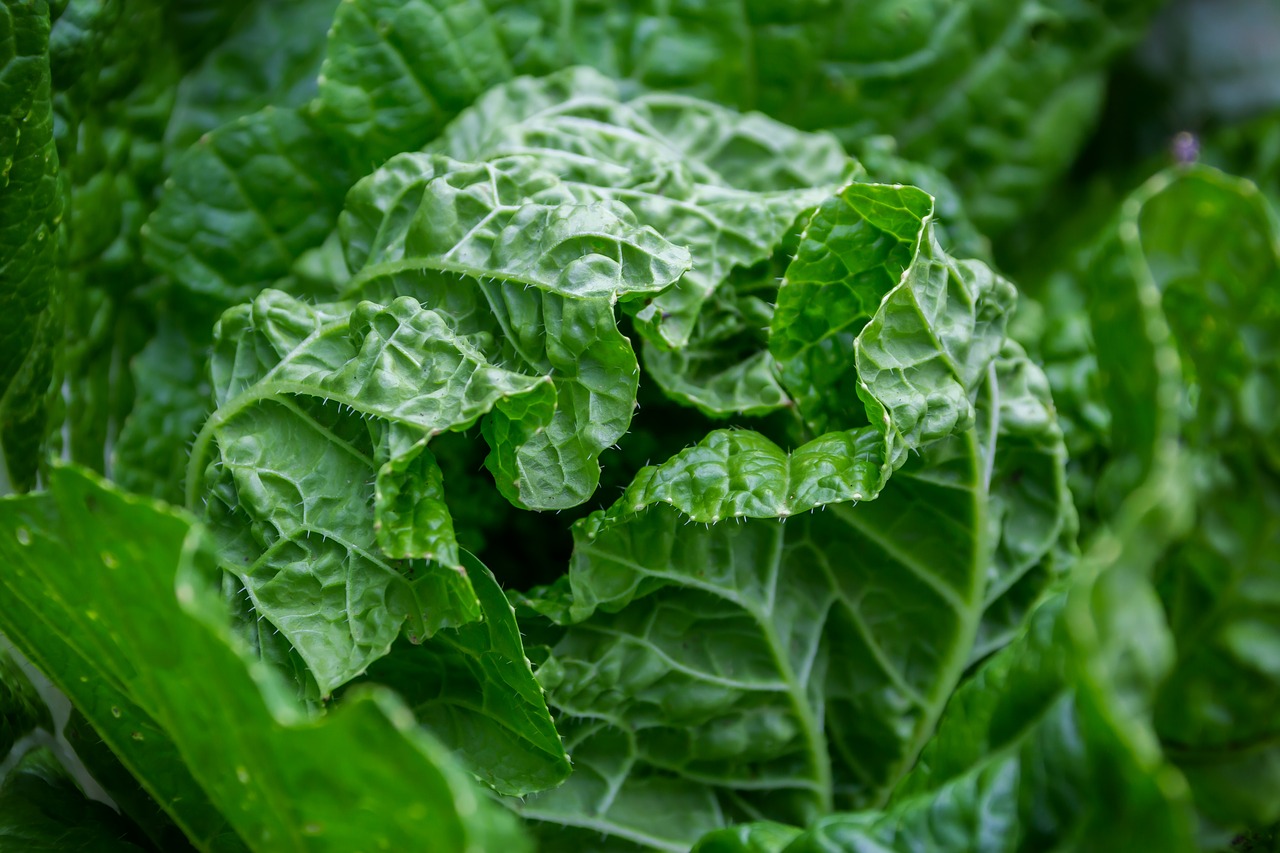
point(748, 838)
point(472, 688)
point(424, 226)
point(728, 186)
point(281, 780)
point(876, 324)
point(513, 222)
point(42, 809)
point(319, 407)
point(1032, 517)
point(31, 209)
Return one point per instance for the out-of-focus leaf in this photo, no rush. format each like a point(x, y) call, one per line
point(42, 809)
point(31, 209)
point(270, 57)
point(472, 688)
point(124, 789)
point(142, 644)
point(997, 95)
point(1204, 249)
point(150, 455)
point(244, 202)
point(21, 708)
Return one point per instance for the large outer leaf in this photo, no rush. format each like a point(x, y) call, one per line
point(1204, 250)
point(756, 667)
point(31, 208)
point(296, 485)
point(876, 323)
point(133, 602)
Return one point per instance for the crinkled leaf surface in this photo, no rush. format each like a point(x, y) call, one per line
point(1032, 517)
point(932, 74)
point(139, 618)
point(1065, 712)
point(317, 405)
point(727, 186)
point(876, 323)
point(507, 253)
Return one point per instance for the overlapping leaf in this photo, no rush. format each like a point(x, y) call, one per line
point(473, 689)
point(876, 323)
point(507, 253)
point(295, 487)
point(1204, 250)
point(1026, 743)
point(751, 667)
point(931, 76)
point(42, 809)
point(245, 201)
point(21, 708)
point(727, 186)
point(116, 597)
point(763, 664)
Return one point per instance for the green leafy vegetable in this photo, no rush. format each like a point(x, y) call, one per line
point(762, 427)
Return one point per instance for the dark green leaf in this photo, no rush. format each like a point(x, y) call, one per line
point(135, 601)
point(42, 809)
point(31, 209)
point(21, 708)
